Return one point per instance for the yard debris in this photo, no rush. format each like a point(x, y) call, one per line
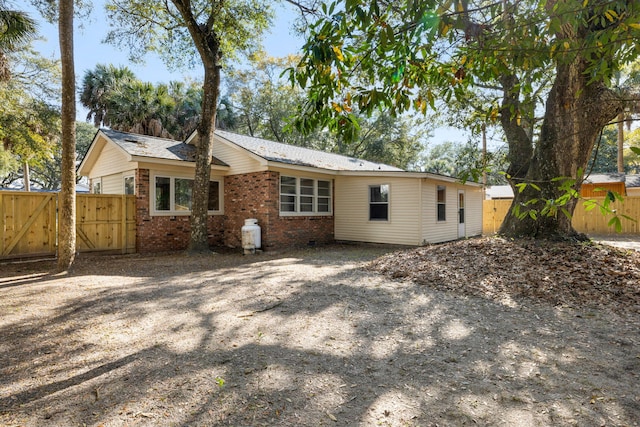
point(566, 274)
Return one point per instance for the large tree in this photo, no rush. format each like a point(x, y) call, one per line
point(183, 31)
point(412, 52)
point(29, 122)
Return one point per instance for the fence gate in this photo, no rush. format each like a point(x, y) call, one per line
point(28, 224)
point(105, 222)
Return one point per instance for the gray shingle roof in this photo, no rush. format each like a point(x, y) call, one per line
point(162, 148)
point(150, 146)
point(632, 181)
point(602, 178)
point(299, 156)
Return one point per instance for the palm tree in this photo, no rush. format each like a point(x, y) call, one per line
point(184, 119)
point(67, 198)
point(16, 28)
point(98, 85)
point(140, 108)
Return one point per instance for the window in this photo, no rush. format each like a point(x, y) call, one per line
point(304, 196)
point(175, 194)
point(97, 186)
point(441, 203)
point(214, 196)
point(129, 185)
point(183, 189)
point(379, 202)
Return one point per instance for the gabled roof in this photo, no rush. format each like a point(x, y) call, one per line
point(149, 146)
point(299, 156)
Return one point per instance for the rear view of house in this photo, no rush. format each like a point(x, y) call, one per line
point(299, 196)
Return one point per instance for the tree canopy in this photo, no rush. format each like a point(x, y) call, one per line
point(264, 105)
point(545, 69)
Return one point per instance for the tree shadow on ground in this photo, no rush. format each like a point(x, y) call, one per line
point(304, 338)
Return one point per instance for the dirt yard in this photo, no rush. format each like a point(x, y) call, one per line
point(445, 336)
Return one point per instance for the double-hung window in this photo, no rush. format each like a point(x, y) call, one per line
point(379, 202)
point(175, 195)
point(304, 196)
point(441, 202)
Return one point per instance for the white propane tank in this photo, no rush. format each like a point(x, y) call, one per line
point(250, 236)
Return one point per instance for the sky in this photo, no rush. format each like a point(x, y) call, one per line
point(90, 51)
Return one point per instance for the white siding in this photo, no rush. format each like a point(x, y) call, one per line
point(111, 160)
point(239, 160)
point(352, 211)
point(434, 231)
point(474, 211)
point(112, 184)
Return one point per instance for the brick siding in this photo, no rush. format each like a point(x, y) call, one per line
point(165, 233)
point(252, 195)
point(256, 195)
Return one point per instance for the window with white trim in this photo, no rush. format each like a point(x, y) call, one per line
point(441, 203)
point(174, 195)
point(304, 196)
point(379, 202)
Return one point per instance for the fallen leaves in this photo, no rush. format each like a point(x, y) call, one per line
point(559, 273)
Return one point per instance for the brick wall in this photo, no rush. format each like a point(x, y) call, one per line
point(166, 233)
point(253, 195)
point(256, 195)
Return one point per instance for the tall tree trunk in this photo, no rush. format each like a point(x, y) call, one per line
point(199, 241)
point(576, 113)
point(26, 176)
point(208, 45)
point(67, 200)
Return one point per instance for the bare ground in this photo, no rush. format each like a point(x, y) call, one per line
point(479, 332)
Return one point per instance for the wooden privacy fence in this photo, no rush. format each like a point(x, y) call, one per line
point(29, 223)
point(591, 222)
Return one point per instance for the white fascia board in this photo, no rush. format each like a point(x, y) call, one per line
point(282, 165)
point(404, 174)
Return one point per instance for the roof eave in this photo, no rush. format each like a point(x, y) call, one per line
point(173, 162)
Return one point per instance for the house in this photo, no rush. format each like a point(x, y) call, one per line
point(299, 196)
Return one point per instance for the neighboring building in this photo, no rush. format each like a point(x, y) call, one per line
point(595, 185)
point(299, 196)
point(498, 192)
point(632, 184)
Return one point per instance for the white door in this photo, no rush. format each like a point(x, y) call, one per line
point(462, 232)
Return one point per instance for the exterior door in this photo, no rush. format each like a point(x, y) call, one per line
point(462, 232)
